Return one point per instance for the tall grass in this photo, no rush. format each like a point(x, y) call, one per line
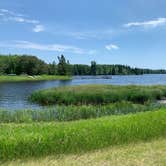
point(98, 94)
point(41, 139)
point(69, 113)
point(150, 153)
point(5, 78)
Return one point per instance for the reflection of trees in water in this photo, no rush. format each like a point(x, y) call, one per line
point(64, 82)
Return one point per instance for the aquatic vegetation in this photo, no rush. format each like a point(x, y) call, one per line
point(42, 139)
point(98, 94)
point(72, 112)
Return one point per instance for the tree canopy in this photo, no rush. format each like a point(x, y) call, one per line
point(31, 65)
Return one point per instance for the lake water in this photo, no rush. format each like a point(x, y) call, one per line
point(15, 95)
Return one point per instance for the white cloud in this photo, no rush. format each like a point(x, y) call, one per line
point(111, 47)
point(7, 15)
point(23, 20)
point(45, 47)
point(38, 28)
point(4, 10)
point(83, 35)
point(91, 34)
point(10, 13)
point(150, 23)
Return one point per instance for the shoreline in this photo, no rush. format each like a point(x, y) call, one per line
point(21, 78)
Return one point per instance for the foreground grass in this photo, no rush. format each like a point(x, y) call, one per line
point(142, 154)
point(32, 78)
point(69, 113)
point(98, 94)
point(42, 139)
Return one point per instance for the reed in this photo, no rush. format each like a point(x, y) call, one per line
point(72, 112)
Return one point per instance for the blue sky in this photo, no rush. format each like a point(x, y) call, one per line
point(131, 32)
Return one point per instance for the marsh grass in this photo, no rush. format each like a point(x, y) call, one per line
point(43, 139)
point(69, 113)
point(98, 94)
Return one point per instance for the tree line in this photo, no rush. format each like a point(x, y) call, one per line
point(31, 65)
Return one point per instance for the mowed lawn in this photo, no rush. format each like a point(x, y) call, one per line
point(151, 153)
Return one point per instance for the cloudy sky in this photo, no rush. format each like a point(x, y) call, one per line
point(131, 32)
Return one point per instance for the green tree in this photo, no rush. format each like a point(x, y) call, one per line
point(93, 68)
point(52, 68)
point(63, 66)
point(30, 65)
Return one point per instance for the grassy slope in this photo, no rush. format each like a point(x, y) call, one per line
point(142, 154)
point(41, 139)
point(30, 78)
point(95, 94)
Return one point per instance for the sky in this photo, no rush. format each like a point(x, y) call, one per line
point(130, 32)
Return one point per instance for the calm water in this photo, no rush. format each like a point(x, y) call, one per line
point(14, 95)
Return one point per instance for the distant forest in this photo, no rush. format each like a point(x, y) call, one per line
point(31, 65)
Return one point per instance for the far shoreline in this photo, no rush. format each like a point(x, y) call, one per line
point(21, 78)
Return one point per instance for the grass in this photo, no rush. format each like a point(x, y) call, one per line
point(69, 113)
point(150, 153)
point(5, 78)
point(98, 94)
point(43, 139)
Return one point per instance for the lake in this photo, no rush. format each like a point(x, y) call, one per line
point(15, 95)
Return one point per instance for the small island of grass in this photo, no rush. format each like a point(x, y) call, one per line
point(98, 94)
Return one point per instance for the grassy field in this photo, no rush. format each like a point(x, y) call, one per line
point(43, 139)
point(4, 78)
point(72, 112)
point(135, 117)
point(98, 94)
point(141, 154)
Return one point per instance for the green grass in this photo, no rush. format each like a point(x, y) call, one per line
point(69, 113)
point(150, 153)
point(20, 78)
point(43, 139)
point(98, 94)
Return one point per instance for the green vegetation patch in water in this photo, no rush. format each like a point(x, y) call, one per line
point(98, 94)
